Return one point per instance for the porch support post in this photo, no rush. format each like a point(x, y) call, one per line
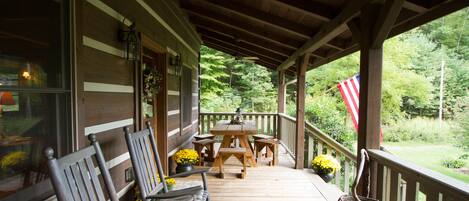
point(369, 117)
point(281, 92)
point(376, 22)
point(300, 111)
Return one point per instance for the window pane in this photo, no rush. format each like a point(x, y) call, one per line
point(29, 122)
point(32, 116)
point(31, 44)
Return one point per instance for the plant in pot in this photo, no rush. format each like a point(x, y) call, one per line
point(325, 166)
point(170, 182)
point(185, 158)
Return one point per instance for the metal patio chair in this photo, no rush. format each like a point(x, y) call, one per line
point(74, 176)
point(147, 168)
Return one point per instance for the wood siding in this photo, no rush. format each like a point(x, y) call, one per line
point(102, 105)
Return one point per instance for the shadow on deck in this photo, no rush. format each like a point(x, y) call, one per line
point(264, 182)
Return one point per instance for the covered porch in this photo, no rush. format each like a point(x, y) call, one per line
point(326, 31)
point(98, 85)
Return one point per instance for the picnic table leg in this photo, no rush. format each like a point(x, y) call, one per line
point(243, 139)
point(224, 144)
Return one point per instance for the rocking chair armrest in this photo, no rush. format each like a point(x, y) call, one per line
point(177, 193)
point(188, 173)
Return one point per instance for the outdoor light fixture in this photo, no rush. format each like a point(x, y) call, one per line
point(26, 75)
point(130, 37)
point(175, 62)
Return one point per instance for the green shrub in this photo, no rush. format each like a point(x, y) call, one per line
point(323, 113)
point(453, 163)
point(464, 156)
point(418, 129)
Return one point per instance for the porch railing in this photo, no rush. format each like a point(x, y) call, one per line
point(397, 179)
point(316, 143)
point(401, 180)
point(266, 122)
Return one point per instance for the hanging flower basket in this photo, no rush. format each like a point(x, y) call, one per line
point(151, 83)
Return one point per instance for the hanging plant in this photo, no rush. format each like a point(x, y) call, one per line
point(151, 82)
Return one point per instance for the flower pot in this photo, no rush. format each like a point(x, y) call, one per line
point(170, 187)
point(327, 177)
point(180, 168)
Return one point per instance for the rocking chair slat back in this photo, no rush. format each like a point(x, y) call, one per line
point(74, 176)
point(144, 156)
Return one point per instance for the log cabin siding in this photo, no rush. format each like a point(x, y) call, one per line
point(100, 59)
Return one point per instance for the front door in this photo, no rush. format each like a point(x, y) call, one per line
point(153, 94)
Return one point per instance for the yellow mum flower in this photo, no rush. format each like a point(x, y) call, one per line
point(169, 181)
point(186, 156)
point(12, 159)
point(325, 164)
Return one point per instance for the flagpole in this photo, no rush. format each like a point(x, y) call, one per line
point(442, 71)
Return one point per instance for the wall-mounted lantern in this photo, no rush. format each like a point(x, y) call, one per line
point(132, 42)
point(175, 62)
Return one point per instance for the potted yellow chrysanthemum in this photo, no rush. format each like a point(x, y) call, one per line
point(325, 166)
point(185, 158)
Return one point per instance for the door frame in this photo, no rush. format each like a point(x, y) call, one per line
point(161, 110)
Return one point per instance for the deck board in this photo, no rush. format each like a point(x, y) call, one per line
point(264, 182)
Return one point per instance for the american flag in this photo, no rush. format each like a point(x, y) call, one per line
point(350, 92)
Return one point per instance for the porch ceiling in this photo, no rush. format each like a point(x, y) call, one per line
point(278, 31)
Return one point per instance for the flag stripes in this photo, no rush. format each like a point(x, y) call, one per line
point(350, 91)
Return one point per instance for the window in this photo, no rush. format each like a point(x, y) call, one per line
point(34, 94)
point(186, 97)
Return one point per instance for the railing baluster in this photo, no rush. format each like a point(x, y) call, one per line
point(346, 177)
point(380, 182)
point(337, 173)
point(411, 189)
point(275, 130)
point(209, 122)
point(201, 123)
point(263, 124)
point(310, 149)
point(319, 148)
point(269, 131)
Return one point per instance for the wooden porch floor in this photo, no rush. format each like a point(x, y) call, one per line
point(263, 182)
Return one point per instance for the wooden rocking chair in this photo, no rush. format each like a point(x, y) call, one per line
point(147, 168)
point(74, 177)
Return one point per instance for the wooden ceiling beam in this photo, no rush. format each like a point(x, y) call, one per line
point(240, 50)
point(251, 42)
point(354, 27)
point(245, 37)
point(433, 13)
point(246, 46)
point(327, 32)
point(414, 6)
point(336, 44)
point(234, 53)
point(334, 56)
point(314, 9)
point(242, 26)
point(387, 17)
point(263, 17)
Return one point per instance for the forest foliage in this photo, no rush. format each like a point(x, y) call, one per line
point(410, 89)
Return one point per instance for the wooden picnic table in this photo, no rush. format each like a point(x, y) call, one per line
point(239, 131)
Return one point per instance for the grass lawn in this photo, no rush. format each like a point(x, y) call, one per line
point(429, 156)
